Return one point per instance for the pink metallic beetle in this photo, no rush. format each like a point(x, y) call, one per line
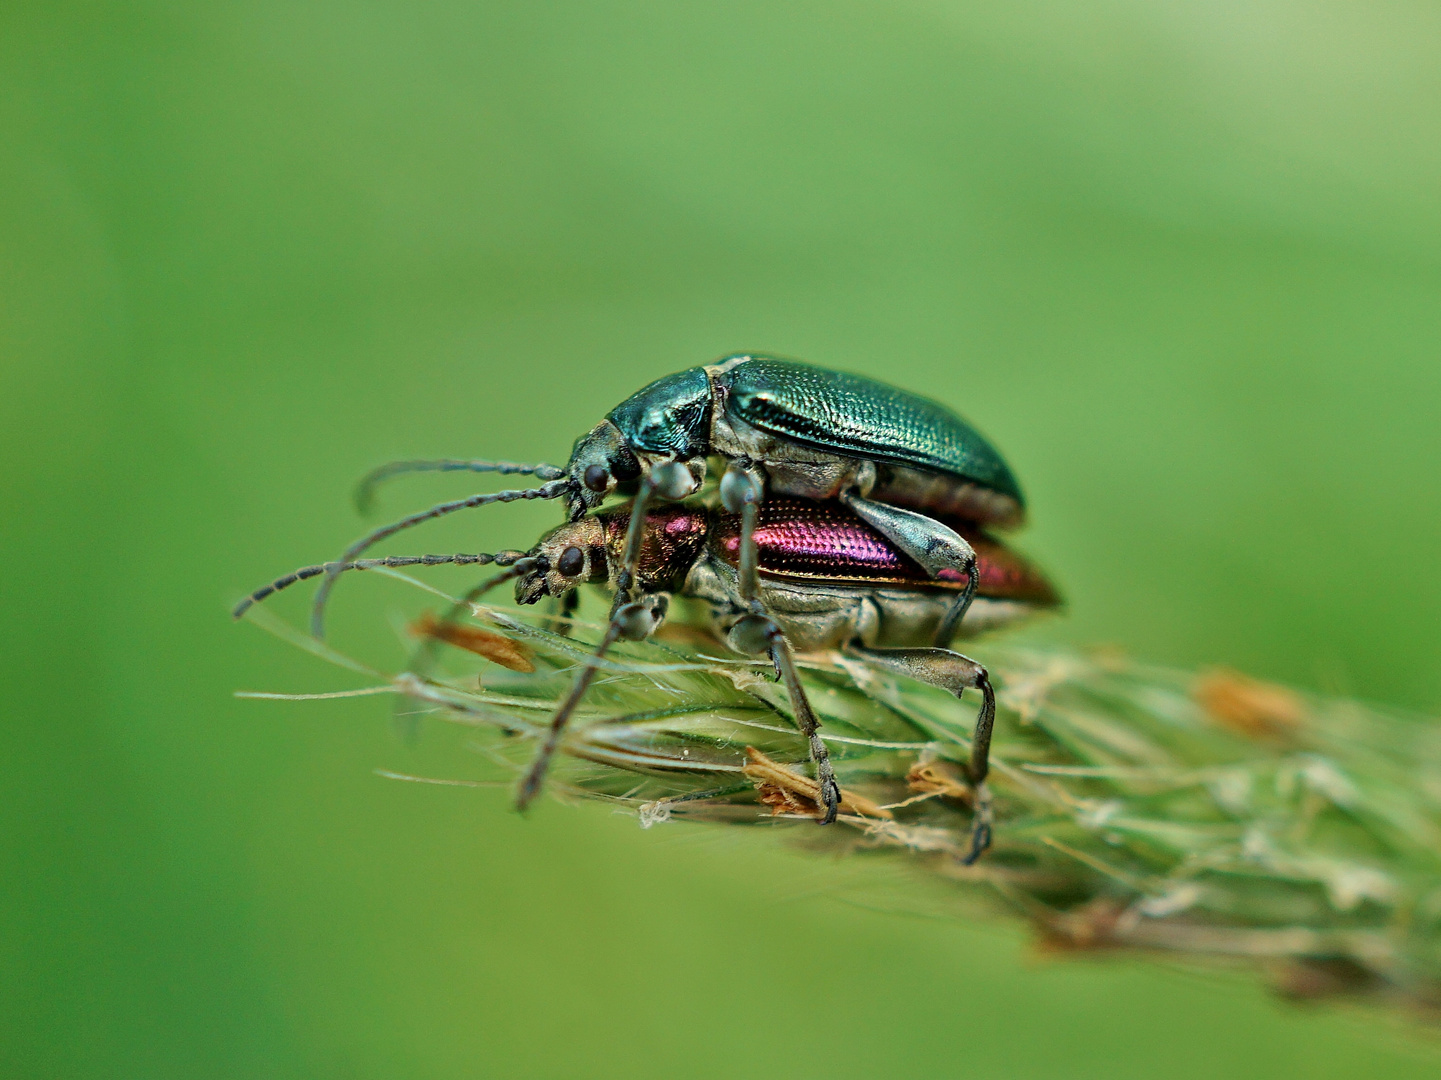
point(825, 579)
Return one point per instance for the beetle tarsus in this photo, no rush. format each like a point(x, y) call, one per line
point(982, 823)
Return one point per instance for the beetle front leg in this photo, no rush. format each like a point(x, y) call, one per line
point(942, 552)
point(634, 621)
point(756, 634)
point(952, 672)
point(668, 480)
point(741, 492)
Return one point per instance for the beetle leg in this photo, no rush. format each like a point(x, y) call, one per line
point(741, 492)
point(952, 672)
point(941, 551)
point(669, 480)
point(634, 621)
point(757, 633)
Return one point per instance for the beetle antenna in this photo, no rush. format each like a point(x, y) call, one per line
point(553, 490)
point(365, 490)
point(500, 558)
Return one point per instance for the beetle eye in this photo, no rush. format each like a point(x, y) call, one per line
point(596, 478)
point(571, 562)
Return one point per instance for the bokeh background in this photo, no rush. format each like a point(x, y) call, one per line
point(1180, 260)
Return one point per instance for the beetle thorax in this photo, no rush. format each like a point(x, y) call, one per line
point(674, 538)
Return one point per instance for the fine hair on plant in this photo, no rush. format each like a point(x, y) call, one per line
point(1204, 817)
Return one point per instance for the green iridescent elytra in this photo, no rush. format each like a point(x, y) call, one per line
point(849, 415)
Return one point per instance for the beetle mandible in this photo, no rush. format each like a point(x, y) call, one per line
point(826, 580)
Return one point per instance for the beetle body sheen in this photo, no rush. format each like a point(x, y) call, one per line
point(817, 433)
point(825, 574)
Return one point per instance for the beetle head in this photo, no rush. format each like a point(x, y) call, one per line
point(600, 462)
point(571, 555)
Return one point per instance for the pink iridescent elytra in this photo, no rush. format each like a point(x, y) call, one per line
point(801, 541)
point(824, 542)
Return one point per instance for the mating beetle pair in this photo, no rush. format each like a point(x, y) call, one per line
point(864, 455)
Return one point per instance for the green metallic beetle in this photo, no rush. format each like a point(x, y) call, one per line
point(897, 461)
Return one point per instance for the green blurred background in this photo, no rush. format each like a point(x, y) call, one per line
point(1181, 260)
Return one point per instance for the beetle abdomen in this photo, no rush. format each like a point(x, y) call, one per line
point(799, 540)
point(862, 418)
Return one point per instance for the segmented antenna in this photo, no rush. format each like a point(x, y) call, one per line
point(365, 490)
point(500, 558)
point(553, 490)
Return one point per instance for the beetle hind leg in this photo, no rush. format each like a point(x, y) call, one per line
point(940, 550)
point(954, 673)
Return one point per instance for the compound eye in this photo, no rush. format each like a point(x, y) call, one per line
point(571, 562)
point(596, 478)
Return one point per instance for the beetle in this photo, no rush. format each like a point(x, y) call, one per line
point(898, 460)
point(825, 579)
point(902, 463)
